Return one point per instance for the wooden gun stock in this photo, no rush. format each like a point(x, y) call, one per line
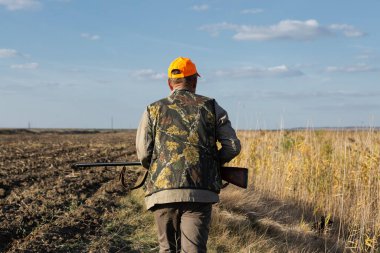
point(235, 175)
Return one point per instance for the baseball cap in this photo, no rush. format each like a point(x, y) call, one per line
point(184, 65)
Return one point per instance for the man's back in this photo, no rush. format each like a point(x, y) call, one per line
point(184, 153)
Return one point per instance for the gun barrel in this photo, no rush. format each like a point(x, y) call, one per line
point(234, 175)
point(86, 165)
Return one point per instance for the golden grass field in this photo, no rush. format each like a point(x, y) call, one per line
point(330, 173)
point(296, 178)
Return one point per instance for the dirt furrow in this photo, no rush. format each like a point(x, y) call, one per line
point(41, 189)
point(45, 202)
point(47, 153)
point(41, 169)
point(74, 230)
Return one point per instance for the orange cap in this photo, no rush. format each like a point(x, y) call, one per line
point(185, 65)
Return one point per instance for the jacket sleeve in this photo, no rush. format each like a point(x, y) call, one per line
point(144, 140)
point(226, 135)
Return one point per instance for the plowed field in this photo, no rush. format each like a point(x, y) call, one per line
point(45, 205)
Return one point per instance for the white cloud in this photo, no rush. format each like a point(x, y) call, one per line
point(352, 69)
point(348, 30)
point(215, 29)
point(90, 36)
point(252, 11)
point(31, 65)
point(365, 53)
point(363, 56)
point(14, 5)
point(285, 29)
point(276, 71)
point(203, 7)
point(6, 52)
point(148, 74)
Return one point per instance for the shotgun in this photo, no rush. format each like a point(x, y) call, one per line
point(235, 175)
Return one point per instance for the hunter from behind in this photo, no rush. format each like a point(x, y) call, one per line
point(176, 142)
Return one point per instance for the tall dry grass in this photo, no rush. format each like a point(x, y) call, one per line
point(335, 172)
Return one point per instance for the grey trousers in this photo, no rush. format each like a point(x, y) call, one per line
point(183, 227)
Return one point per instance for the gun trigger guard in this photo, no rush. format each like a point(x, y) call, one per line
point(121, 177)
point(225, 185)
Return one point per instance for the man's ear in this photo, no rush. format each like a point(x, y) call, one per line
point(170, 85)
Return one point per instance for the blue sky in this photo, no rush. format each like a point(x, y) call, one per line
point(270, 64)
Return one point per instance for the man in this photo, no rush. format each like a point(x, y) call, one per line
point(176, 140)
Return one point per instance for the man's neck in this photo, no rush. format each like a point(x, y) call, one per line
point(182, 88)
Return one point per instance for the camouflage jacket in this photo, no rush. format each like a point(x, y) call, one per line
point(184, 152)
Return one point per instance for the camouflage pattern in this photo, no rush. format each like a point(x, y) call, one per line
point(185, 152)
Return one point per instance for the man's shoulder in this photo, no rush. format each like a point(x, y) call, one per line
point(160, 101)
point(204, 97)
